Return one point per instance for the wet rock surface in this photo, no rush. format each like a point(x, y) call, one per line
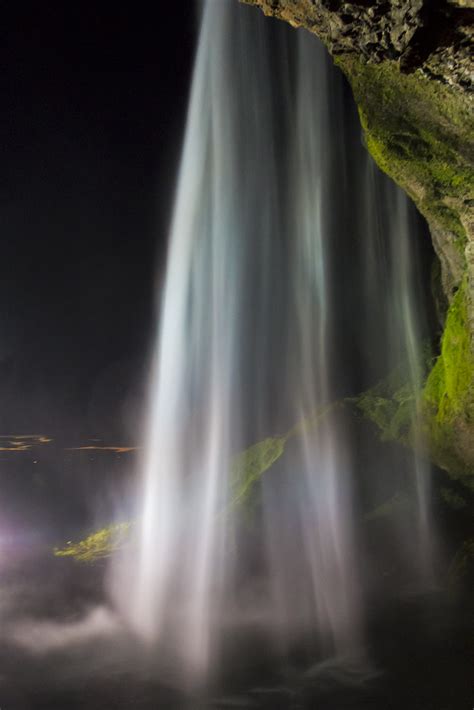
point(435, 37)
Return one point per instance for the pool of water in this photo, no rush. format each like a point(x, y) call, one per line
point(64, 649)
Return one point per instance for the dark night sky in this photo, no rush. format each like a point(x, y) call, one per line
point(93, 100)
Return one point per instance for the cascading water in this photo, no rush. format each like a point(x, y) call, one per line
point(249, 345)
point(309, 528)
point(393, 271)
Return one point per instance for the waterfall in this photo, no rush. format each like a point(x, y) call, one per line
point(249, 350)
point(393, 283)
point(309, 528)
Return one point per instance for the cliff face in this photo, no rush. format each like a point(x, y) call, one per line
point(431, 35)
point(408, 62)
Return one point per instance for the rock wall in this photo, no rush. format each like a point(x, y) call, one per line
point(432, 35)
point(409, 64)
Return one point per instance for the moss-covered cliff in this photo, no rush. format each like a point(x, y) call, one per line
point(408, 62)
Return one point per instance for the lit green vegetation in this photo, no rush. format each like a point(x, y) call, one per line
point(447, 399)
point(248, 466)
point(420, 133)
point(246, 470)
point(391, 405)
point(450, 385)
point(252, 463)
point(449, 396)
point(98, 545)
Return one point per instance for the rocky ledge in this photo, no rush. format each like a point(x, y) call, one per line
point(434, 36)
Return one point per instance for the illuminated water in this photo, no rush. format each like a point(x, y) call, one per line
point(249, 347)
point(394, 283)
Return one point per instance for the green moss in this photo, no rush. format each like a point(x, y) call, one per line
point(420, 133)
point(449, 389)
point(97, 545)
point(250, 464)
point(391, 406)
point(246, 470)
point(447, 399)
point(390, 412)
point(449, 395)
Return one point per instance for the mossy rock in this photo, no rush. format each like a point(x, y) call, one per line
point(445, 404)
point(98, 545)
point(248, 467)
point(420, 133)
point(449, 396)
point(417, 114)
point(251, 464)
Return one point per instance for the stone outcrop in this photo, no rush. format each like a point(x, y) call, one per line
point(432, 35)
point(409, 63)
